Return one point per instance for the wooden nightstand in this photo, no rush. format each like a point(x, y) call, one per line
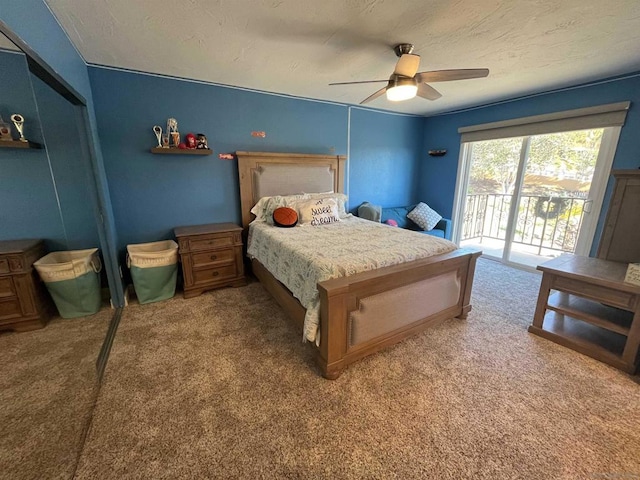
point(211, 257)
point(24, 302)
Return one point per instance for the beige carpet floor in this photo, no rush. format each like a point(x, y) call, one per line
point(221, 386)
point(48, 385)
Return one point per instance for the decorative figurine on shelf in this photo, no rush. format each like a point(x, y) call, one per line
point(172, 125)
point(18, 121)
point(202, 142)
point(157, 129)
point(165, 140)
point(5, 131)
point(172, 130)
point(182, 146)
point(175, 136)
point(190, 140)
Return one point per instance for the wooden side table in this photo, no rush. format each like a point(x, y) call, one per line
point(584, 304)
point(211, 257)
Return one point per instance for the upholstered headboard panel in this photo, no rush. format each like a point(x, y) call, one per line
point(266, 174)
point(288, 179)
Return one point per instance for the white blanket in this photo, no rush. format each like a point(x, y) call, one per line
point(302, 256)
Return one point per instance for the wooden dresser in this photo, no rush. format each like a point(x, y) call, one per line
point(620, 240)
point(211, 257)
point(24, 302)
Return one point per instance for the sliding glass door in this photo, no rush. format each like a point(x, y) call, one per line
point(530, 198)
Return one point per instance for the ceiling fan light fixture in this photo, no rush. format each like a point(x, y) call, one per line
point(401, 88)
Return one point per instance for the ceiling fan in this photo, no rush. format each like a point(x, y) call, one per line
point(405, 83)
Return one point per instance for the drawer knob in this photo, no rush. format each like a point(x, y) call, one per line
point(211, 242)
point(213, 257)
point(215, 274)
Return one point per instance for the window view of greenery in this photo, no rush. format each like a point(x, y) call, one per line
point(558, 172)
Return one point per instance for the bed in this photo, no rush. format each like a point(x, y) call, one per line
point(364, 312)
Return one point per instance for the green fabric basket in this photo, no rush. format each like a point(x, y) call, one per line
point(154, 284)
point(78, 297)
point(154, 270)
point(73, 281)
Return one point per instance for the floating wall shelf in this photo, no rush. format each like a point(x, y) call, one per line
point(19, 144)
point(180, 151)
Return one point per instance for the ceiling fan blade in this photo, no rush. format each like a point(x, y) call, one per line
point(407, 65)
point(447, 75)
point(354, 83)
point(428, 92)
point(374, 96)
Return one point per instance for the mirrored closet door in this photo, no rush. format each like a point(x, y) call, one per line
point(52, 332)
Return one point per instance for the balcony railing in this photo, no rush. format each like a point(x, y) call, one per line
point(544, 222)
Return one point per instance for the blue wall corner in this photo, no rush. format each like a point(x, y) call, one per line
point(385, 151)
point(153, 194)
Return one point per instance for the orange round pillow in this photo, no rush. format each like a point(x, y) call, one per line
point(285, 217)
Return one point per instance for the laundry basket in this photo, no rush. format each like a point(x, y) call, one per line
point(154, 269)
point(73, 280)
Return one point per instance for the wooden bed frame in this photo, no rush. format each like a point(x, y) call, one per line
point(341, 297)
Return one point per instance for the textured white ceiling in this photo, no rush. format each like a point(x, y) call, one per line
point(298, 47)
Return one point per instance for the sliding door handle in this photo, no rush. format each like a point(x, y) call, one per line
point(586, 207)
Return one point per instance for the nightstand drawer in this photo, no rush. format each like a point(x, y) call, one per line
point(213, 258)
point(6, 287)
point(207, 242)
point(210, 275)
point(4, 265)
point(9, 309)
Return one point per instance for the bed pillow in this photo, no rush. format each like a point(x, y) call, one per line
point(318, 211)
point(263, 210)
point(285, 217)
point(424, 216)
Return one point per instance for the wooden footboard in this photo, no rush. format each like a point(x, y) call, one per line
point(354, 321)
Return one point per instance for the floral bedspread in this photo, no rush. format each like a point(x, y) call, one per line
point(302, 256)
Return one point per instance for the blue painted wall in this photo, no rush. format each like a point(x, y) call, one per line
point(438, 174)
point(152, 194)
point(28, 205)
point(68, 163)
point(32, 21)
point(385, 151)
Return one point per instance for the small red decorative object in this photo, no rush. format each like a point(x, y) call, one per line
point(190, 140)
point(182, 146)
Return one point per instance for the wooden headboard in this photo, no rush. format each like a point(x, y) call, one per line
point(266, 174)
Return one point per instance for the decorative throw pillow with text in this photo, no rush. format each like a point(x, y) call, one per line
point(321, 211)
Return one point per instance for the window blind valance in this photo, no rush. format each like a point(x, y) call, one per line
point(610, 115)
